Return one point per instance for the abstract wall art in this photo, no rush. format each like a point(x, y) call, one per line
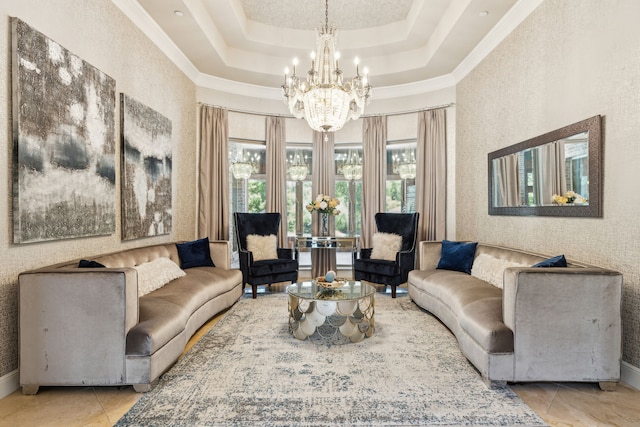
point(146, 170)
point(63, 142)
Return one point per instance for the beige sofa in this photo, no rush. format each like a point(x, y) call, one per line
point(548, 324)
point(87, 326)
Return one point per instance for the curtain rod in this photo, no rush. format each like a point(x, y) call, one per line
point(289, 116)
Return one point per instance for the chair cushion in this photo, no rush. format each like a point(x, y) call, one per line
point(377, 267)
point(262, 247)
point(273, 266)
point(386, 246)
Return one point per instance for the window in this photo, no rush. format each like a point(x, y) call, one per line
point(248, 193)
point(298, 188)
point(348, 177)
point(401, 173)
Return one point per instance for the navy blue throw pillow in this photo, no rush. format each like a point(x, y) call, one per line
point(457, 256)
point(195, 254)
point(556, 261)
point(89, 264)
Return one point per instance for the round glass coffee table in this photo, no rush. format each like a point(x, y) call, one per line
point(346, 310)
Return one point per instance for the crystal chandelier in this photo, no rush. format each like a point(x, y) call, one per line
point(405, 167)
point(242, 168)
point(298, 168)
point(352, 168)
point(324, 99)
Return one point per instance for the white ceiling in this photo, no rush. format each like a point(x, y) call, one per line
point(250, 42)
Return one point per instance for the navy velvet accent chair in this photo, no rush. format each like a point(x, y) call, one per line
point(391, 273)
point(267, 271)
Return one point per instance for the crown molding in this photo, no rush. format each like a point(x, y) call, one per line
point(509, 22)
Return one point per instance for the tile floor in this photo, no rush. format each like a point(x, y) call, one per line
point(559, 404)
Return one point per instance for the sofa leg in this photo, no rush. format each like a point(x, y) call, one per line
point(142, 388)
point(393, 291)
point(608, 385)
point(254, 291)
point(493, 384)
point(29, 389)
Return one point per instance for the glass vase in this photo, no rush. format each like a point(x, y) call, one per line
point(324, 224)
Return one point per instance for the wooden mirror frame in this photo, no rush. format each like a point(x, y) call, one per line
point(592, 125)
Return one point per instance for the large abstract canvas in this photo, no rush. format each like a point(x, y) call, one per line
point(64, 142)
point(146, 180)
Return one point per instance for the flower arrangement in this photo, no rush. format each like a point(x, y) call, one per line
point(569, 198)
point(324, 204)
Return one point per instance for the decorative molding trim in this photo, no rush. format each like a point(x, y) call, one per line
point(134, 11)
point(151, 29)
point(630, 374)
point(388, 92)
point(207, 81)
point(9, 383)
point(509, 22)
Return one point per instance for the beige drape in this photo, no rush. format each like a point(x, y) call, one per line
point(506, 181)
point(550, 172)
point(374, 175)
point(277, 173)
point(323, 182)
point(431, 175)
point(213, 215)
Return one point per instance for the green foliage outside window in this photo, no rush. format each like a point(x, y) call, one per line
point(257, 196)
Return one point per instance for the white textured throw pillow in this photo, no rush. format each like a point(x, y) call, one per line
point(263, 247)
point(491, 269)
point(385, 246)
point(155, 274)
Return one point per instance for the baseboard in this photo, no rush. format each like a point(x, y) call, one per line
point(631, 375)
point(9, 383)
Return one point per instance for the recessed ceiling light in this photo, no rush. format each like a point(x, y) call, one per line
point(484, 13)
point(178, 13)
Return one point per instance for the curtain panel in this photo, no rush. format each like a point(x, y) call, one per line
point(431, 175)
point(277, 174)
point(214, 204)
point(374, 175)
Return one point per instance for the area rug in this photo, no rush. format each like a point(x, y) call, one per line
point(249, 370)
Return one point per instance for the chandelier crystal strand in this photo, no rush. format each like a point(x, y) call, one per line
point(324, 99)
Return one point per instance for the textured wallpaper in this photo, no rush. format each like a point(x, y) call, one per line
point(97, 32)
point(568, 61)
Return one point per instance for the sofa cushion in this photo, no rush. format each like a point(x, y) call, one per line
point(195, 254)
point(457, 256)
point(556, 261)
point(262, 247)
point(386, 246)
point(89, 264)
point(164, 313)
point(482, 321)
point(491, 269)
point(155, 274)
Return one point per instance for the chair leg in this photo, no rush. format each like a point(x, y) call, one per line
point(393, 291)
point(254, 291)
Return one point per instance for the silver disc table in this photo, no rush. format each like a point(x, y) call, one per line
point(346, 310)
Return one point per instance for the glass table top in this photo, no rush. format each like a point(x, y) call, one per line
point(351, 290)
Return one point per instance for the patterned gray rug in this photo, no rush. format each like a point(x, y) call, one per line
point(248, 370)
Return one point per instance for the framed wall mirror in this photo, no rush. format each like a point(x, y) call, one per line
point(555, 174)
